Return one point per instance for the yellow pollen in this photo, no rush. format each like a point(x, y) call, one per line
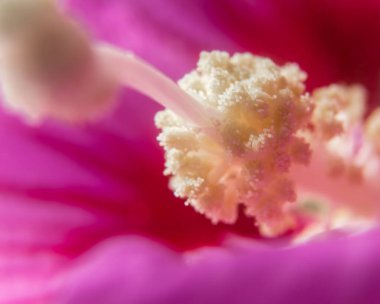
point(337, 108)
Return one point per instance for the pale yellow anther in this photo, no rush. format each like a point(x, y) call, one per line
point(260, 108)
point(337, 108)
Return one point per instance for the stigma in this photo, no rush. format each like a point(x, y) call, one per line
point(48, 67)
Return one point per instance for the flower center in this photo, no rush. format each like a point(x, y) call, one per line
point(274, 145)
point(238, 130)
point(261, 108)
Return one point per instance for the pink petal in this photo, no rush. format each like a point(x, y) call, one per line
point(137, 270)
point(332, 40)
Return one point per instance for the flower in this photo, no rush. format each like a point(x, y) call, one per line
point(86, 213)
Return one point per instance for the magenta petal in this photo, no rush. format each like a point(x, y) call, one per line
point(26, 278)
point(169, 34)
point(332, 40)
point(136, 270)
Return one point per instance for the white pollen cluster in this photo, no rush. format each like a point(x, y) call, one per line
point(337, 108)
point(245, 159)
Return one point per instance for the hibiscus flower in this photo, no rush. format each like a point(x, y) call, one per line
point(86, 214)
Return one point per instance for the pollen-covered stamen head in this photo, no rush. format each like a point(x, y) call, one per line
point(337, 108)
point(343, 170)
point(261, 107)
point(47, 65)
point(338, 113)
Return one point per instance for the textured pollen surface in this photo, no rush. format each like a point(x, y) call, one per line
point(337, 108)
point(245, 159)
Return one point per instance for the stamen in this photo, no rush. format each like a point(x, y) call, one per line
point(337, 108)
point(261, 107)
point(338, 114)
point(264, 128)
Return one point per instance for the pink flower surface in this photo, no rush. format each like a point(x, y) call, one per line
point(86, 214)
